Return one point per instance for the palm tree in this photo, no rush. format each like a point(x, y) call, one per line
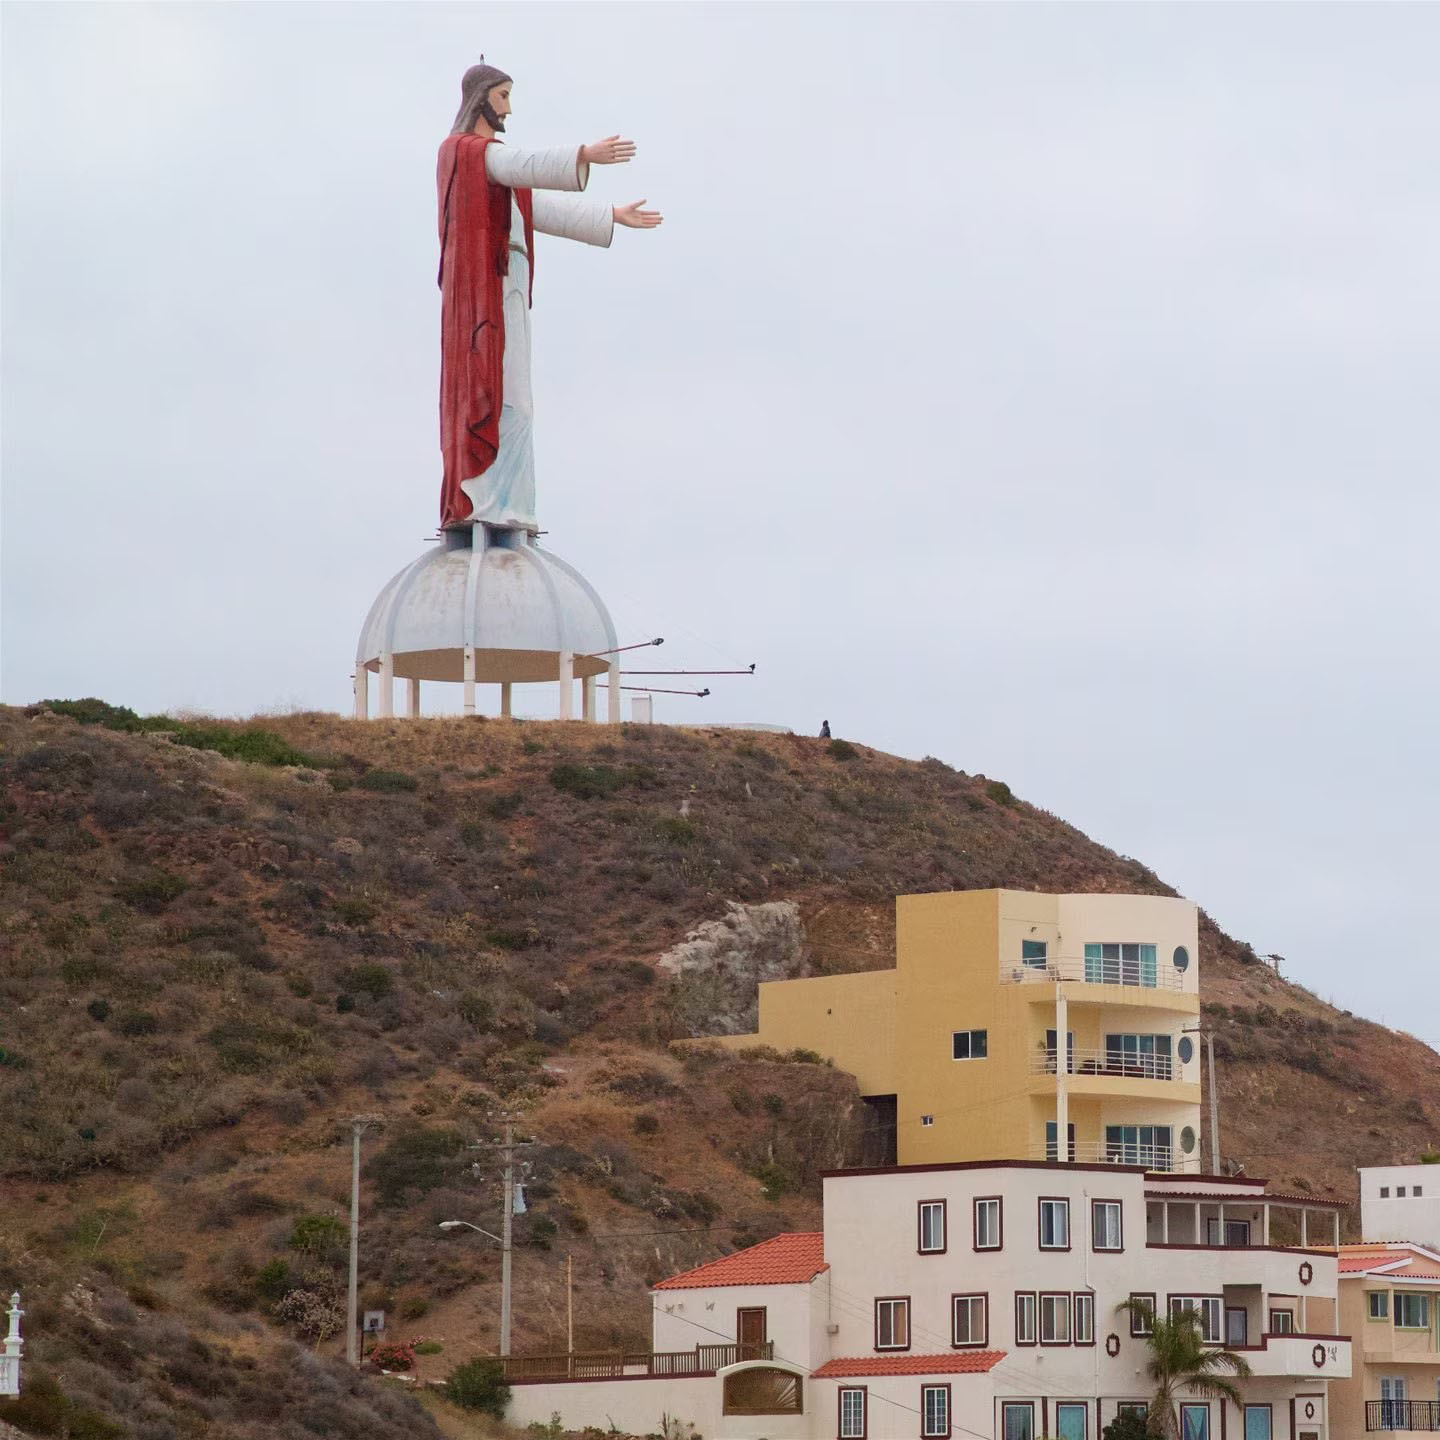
point(1181, 1360)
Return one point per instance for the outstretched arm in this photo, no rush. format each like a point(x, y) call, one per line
point(634, 218)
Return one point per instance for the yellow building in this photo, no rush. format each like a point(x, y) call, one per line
point(959, 1045)
point(1390, 1306)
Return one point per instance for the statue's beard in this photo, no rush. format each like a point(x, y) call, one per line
point(487, 113)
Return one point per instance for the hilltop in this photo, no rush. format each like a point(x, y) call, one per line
point(221, 940)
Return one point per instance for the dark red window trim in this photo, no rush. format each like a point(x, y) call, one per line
point(975, 1223)
point(1067, 1296)
point(983, 1296)
point(1016, 1405)
point(949, 1414)
point(1019, 1295)
point(1135, 1321)
point(920, 1228)
point(864, 1412)
point(891, 1349)
point(1040, 1202)
point(1074, 1310)
point(1107, 1249)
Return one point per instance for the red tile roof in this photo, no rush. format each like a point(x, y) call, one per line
point(786, 1260)
point(1396, 1257)
point(954, 1362)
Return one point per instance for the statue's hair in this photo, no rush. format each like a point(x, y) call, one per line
point(475, 87)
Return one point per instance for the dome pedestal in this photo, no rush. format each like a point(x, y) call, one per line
point(484, 606)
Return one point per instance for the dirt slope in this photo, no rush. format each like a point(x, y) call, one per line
point(209, 963)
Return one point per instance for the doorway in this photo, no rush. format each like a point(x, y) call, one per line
point(750, 1332)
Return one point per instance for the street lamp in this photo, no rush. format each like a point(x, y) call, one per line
point(504, 1276)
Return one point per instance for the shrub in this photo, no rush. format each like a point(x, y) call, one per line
point(318, 1235)
point(369, 978)
point(677, 830)
point(40, 1407)
point(1000, 792)
point(479, 1384)
point(356, 912)
point(645, 1124)
point(429, 1347)
point(92, 711)
point(417, 1158)
point(98, 1009)
point(502, 807)
point(136, 1022)
point(1430, 1157)
point(587, 782)
point(1129, 1425)
point(412, 1307)
point(843, 750)
point(152, 892)
point(475, 1010)
point(251, 744)
point(473, 834)
point(393, 1355)
point(274, 1280)
point(387, 782)
point(344, 1004)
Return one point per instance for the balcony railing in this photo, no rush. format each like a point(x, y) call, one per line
point(1107, 1062)
point(1091, 1152)
point(614, 1364)
point(1127, 973)
point(1402, 1414)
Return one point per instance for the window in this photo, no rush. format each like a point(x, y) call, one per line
point(932, 1227)
point(1147, 1145)
point(1399, 1192)
point(1257, 1422)
point(1072, 1421)
point(927, 1120)
point(1052, 1147)
point(1384, 1192)
point(1185, 1049)
point(935, 1409)
point(1236, 1232)
point(852, 1412)
point(1282, 1322)
point(1132, 1407)
point(1412, 1311)
point(1206, 1308)
point(1085, 1318)
point(1181, 959)
point(1052, 1051)
point(1054, 1224)
point(1142, 1311)
point(1032, 952)
point(1378, 1302)
point(1105, 1225)
point(892, 1323)
point(1024, 1317)
point(989, 1223)
point(762, 1390)
point(969, 1322)
point(969, 1044)
point(1120, 963)
point(1017, 1421)
point(1142, 1057)
point(1055, 1318)
point(1416, 1192)
point(1194, 1422)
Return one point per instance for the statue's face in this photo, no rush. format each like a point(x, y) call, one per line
point(499, 99)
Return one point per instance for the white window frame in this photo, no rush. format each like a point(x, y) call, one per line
point(1380, 1311)
point(1006, 1406)
point(1083, 1333)
point(1286, 1317)
point(939, 1427)
point(1059, 1212)
point(970, 1044)
point(855, 1396)
point(1025, 1305)
point(973, 1305)
point(1204, 1409)
point(1210, 1308)
point(892, 1306)
point(998, 1228)
point(927, 1209)
point(1057, 1314)
point(1107, 1210)
point(1403, 1303)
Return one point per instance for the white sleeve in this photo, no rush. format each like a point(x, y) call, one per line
point(592, 222)
point(560, 169)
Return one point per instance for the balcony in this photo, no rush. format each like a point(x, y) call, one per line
point(1091, 1152)
point(616, 1364)
point(1122, 974)
point(1297, 1356)
point(1107, 1063)
point(1402, 1414)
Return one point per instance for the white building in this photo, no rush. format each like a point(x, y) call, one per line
point(1400, 1202)
point(980, 1299)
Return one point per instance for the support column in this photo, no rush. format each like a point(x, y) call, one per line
point(1304, 1227)
point(1164, 1222)
point(614, 685)
point(567, 684)
point(412, 699)
point(1062, 1074)
point(587, 698)
point(387, 686)
point(362, 692)
point(1265, 1224)
point(505, 700)
point(469, 679)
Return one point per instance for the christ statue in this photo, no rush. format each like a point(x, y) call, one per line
point(493, 198)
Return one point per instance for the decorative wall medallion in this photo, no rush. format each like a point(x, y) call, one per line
point(1309, 1409)
point(1307, 1272)
point(1112, 1345)
point(1318, 1356)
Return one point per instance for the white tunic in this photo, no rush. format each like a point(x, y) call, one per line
point(505, 494)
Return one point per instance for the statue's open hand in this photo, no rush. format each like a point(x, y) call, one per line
point(612, 150)
point(635, 218)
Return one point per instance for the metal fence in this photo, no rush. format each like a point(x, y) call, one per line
point(1402, 1414)
point(614, 1364)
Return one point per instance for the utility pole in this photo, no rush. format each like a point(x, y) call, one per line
point(507, 1234)
point(358, 1126)
point(569, 1304)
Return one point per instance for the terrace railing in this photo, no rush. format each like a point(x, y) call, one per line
point(1402, 1414)
point(1107, 1062)
point(615, 1364)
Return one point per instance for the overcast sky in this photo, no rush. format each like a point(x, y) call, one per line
point(1051, 389)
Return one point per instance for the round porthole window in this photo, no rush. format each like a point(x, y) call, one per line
point(1182, 959)
point(1187, 1140)
point(1185, 1049)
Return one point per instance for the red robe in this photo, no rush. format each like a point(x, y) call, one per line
point(474, 260)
